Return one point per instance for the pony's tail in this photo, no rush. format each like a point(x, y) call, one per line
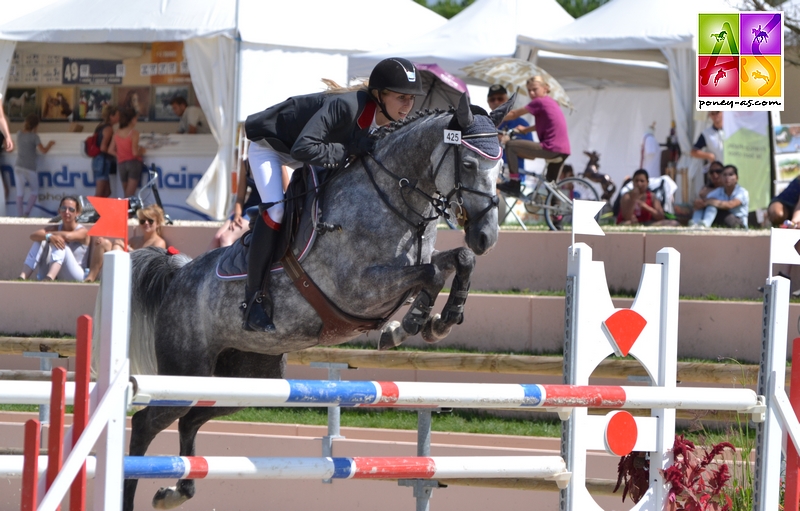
point(152, 270)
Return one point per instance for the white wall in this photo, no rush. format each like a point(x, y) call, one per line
point(271, 76)
point(612, 121)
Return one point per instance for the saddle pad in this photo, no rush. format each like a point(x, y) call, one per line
point(232, 265)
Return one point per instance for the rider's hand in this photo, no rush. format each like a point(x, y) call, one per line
point(360, 145)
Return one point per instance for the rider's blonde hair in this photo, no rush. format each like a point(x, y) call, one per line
point(335, 88)
point(540, 80)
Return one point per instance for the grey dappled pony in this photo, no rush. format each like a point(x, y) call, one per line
point(186, 321)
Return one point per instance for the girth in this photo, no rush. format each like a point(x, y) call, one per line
point(336, 324)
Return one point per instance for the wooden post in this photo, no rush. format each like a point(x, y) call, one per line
point(55, 438)
point(791, 501)
point(30, 466)
point(83, 362)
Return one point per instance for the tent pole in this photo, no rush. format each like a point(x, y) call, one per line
point(236, 157)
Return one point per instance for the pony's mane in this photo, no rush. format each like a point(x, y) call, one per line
point(393, 126)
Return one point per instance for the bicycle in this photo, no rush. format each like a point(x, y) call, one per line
point(553, 197)
point(135, 203)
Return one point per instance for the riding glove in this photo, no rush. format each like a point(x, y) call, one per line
point(361, 144)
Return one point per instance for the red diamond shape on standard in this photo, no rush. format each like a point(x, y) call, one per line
point(625, 326)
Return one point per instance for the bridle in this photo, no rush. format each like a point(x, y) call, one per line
point(441, 203)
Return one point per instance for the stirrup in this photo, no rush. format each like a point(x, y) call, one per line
point(256, 318)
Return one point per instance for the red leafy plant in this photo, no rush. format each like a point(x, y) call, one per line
point(696, 480)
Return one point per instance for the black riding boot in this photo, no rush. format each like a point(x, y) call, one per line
point(257, 303)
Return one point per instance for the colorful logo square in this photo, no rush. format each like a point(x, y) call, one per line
point(761, 33)
point(718, 34)
point(740, 61)
point(719, 76)
point(761, 76)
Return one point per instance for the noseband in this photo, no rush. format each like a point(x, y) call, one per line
point(441, 203)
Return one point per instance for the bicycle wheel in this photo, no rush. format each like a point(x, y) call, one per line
point(558, 210)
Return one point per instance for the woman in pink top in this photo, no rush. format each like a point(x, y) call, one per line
point(125, 146)
point(551, 128)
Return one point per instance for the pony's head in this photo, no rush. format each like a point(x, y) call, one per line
point(476, 161)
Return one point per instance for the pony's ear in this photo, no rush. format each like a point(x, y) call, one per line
point(500, 112)
point(464, 112)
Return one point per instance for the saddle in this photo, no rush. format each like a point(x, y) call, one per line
point(301, 224)
point(298, 229)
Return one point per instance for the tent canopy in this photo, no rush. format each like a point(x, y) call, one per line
point(487, 28)
point(100, 21)
point(260, 22)
point(629, 29)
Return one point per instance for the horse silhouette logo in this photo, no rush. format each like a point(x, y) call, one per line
point(758, 76)
point(720, 74)
point(720, 37)
point(759, 35)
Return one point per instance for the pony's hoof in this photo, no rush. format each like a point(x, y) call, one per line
point(435, 330)
point(168, 498)
point(392, 336)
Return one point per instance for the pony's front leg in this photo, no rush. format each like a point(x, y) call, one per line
point(429, 279)
point(418, 318)
point(438, 327)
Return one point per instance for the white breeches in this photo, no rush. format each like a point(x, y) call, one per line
point(265, 164)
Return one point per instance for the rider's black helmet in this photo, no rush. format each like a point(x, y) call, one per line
point(397, 75)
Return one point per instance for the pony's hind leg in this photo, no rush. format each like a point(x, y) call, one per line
point(438, 327)
point(230, 363)
point(170, 497)
point(145, 425)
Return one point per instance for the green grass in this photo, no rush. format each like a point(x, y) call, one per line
point(457, 421)
point(47, 334)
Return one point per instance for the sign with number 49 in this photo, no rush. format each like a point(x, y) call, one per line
point(452, 137)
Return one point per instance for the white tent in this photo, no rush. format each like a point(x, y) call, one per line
point(487, 28)
point(611, 97)
point(655, 30)
point(279, 56)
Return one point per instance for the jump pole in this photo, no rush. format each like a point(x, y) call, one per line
point(150, 390)
point(241, 467)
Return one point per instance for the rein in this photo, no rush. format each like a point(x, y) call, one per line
point(441, 203)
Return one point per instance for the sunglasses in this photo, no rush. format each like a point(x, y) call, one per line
point(64, 209)
point(147, 220)
point(494, 99)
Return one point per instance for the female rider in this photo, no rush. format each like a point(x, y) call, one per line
point(323, 129)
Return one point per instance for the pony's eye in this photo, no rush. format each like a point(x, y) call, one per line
point(470, 165)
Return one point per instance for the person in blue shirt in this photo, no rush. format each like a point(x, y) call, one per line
point(726, 205)
point(498, 95)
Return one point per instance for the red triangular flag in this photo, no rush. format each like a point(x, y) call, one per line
point(113, 221)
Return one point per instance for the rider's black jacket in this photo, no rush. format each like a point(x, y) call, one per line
point(315, 128)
